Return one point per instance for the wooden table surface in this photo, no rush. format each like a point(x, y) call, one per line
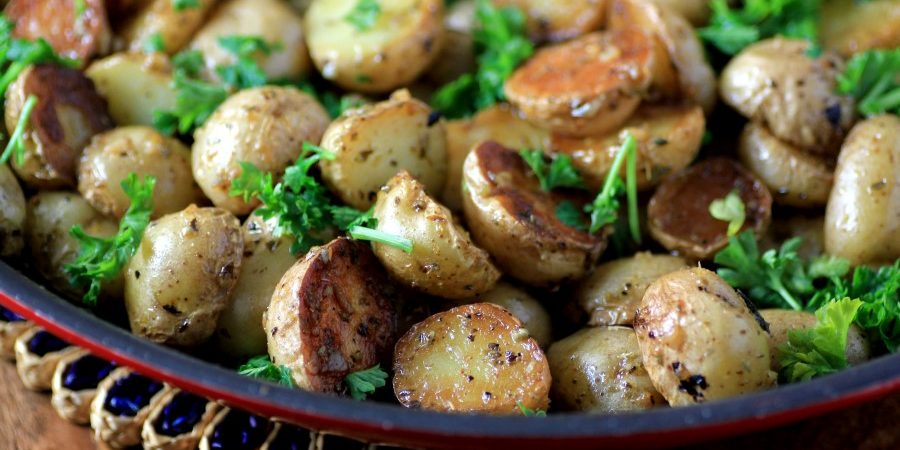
point(28, 422)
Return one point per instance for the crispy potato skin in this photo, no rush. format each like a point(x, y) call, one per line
point(12, 213)
point(472, 358)
point(334, 312)
point(850, 27)
point(795, 177)
point(113, 155)
point(668, 139)
point(862, 218)
point(523, 306)
point(515, 221)
point(600, 370)
point(774, 83)
point(123, 77)
point(699, 340)
point(678, 213)
point(264, 126)
point(68, 113)
point(160, 16)
point(559, 21)
point(72, 35)
point(612, 293)
point(781, 321)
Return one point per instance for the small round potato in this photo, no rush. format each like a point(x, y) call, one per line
point(179, 280)
point(862, 219)
point(523, 306)
point(264, 126)
point(559, 21)
point(12, 213)
point(444, 262)
point(781, 321)
point(600, 370)
point(699, 340)
point(775, 83)
point(123, 77)
point(614, 291)
point(73, 33)
point(381, 56)
point(113, 155)
point(516, 222)
point(850, 27)
point(472, 358)
point(374, 143)
point(160, 17)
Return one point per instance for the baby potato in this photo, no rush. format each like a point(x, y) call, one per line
point(523, 306)
point(375, 142)
point(264, 126)
point(67, 114)
point(668, 138)
point(160, 17)
point(781, 321)
point(614, 291)
point(809, 229)
point(589, 85)
point(774, 82)
point(272, 20)
point(699, 340)
point(334, 312)
point(472, 358)
point(113, 155)
point(73, 33)
point(678, 213)
point(862, 218)
point(123, 77)
point(516, 222)
point(444, 262)
point(850, 27)
point(559, 21)
point(795, 177)
point(600, 370)
point(179, 280)
point(12, 213)
point(695, 11)
point(393, 51)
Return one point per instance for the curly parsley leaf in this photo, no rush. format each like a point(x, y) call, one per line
point(729, 209)
point(819, 350)
point(16, 144)
point(558, 173)
point(732, 28)
point(364, 14)
point(263, 368)
point(528, 412)
point(364, 382)
point(154, 44)
point(195, 101)
point(181, 5)
point(245, 73)
point(570, 215)
point(17, 54)
point(873, 78)
point(605, 208)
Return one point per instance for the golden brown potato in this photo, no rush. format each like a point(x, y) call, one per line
point(374, 143)
point(795, 177)
point(264, 126)
point(472, 358)
point(179, 280)
point(515, 221)
point(72, 33)
point(67, 114)
point(781, 321)
point(699, 340)
point(678, 213)
point(862, 219)
point(695, 11)
point(600, 370)
point(523, 306)
point(12, 213)
point(668, 138)
point(548, 20)
point(332, 313)
point(850, 27)
point(614, 291)
point(775, 83)
point(160, 17)
point(124, 77)
point(113, 155)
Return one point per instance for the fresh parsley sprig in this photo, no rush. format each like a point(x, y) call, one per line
point(245, 73)
point(364, 382)
point(873, 78)
point(181, 5)
point(16, 144)
point(558, 173)
point(263, 368)
point(605, 208)
point(819, 350)
point(528, 412)
point(732, 28)
point(364, 14)
point(730, 209)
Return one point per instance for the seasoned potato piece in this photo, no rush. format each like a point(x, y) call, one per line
point(849, 26)
point(334, 312)
point(523, 306)
point(444, 262)
point(113, 155)
point(272, 20)
point(678, 213)
point(862, 219)
point(515, 221)
point(179, 280)
point(589, 85)
point(600, 370)
point(123, 77)
point(668, 139)
point(12, 213)
point(472, 358)
point(73, 33)
point(559, 21)
point(264, 126)
point(67, 114)
point(374, 143)
point(699, 340)
point(775, 83)
point(614, 291)
point(402, 42)
point(781, 321)
point(160, 17)
point(795, 177)
point(810, 229)
point(695, 11)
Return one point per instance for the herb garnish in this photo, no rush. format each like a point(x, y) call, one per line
point(559, 173)
point(729, 209)
point(873, 78)
point(16, 144)
point(528, 412)
point(364, 382)
point(364, 14)
point(263, 368)
point(181, 5)
point(819, 350)
point(605, 207)
point(732, 28)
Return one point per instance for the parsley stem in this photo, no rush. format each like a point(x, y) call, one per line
point(15, 141)
point(610, 183)
point(783, 292)
point(369, 234)
point(631, 189)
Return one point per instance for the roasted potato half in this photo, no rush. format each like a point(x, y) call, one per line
point(123, 77)
point(774, 82)
point(12, 213)
point(614, 291)
point(67, 114)
point(375, 142)
point(559, 21)
point(527, 309)
point(600, 370)
point(850, 27)
point(472, 358)
point(381, 56)
point(334, 312)
point(161, 17)
point(781, 321)
point(75, 30)
point(678, 213)
point(515, 221)
point(699, 340)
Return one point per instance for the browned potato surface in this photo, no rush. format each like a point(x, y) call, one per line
point(174, 27)
point(781, 321)
point(527, 309)
point(548, 20)
point(73, 34)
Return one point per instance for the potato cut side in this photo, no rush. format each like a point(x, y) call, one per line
point(160, 17)
point(558, 21)
point(74, 34)
point(124, 77)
